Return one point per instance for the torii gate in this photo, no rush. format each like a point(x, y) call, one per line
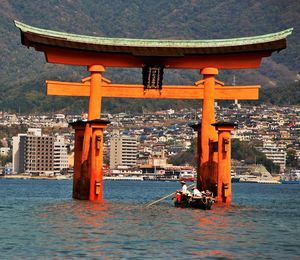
point(208, 56)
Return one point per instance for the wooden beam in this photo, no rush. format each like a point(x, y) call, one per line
point(137, 91)
point(237, 92)
point(58, 88)
point(86, 58)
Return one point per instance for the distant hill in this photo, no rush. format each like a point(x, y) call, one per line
point(23, 71)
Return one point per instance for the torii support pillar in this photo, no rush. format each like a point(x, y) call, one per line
point(207, 173)
point(88, 174)
point(78, 178)
point(224, 161)
point(197, 128)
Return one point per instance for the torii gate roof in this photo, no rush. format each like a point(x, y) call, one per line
point(145, 49)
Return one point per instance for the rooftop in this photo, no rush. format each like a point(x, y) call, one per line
point(33, 36)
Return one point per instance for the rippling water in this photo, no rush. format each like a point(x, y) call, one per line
point(39, 220)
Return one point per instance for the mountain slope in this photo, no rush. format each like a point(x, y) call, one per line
point(23, 71)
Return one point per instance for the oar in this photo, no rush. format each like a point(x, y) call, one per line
point(154, 202)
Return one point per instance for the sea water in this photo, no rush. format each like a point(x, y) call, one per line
point(40, 220)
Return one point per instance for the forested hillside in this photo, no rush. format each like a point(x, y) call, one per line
point(23, 71)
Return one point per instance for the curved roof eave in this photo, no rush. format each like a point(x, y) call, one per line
point(41, 39)
point(154, 42)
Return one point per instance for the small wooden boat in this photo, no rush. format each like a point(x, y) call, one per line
point(205, 201)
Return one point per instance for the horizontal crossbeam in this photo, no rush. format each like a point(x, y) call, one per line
point(57, 88)
point(86, 58)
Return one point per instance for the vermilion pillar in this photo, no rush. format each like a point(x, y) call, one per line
point(78, 179)
point(197, 128)
point(94, 110)
point(224, 161)
point(208, 159)
point(96, 157)
point(95, 91)
point(88, 174)
point(91, 160)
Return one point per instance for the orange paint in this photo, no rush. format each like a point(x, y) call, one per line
point(92, 148)
point(224, 193)
point(81, 179)
point(208, 160)
point(95, 91)
point(88, 179)
point(197, 128)
point(87, 58)
point(96, 86)
point(79, 132)
point(212, 169)
point(96, 181)
point(57, 88)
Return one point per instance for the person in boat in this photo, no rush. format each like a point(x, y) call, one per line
point(196, 192)
point(184, 188)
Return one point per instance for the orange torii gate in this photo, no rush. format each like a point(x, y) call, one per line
point(208, 56)
point(215, 91)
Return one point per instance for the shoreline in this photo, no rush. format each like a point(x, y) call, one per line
point(27, 177)
point(114, 178)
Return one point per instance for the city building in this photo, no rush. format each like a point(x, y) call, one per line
point(170, 130)
point(123, 151)
point(38, 154)
point(19, 153)
point(274, 153)
point(60, 155)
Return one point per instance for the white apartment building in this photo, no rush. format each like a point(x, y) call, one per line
point(123, 151)
point(18, 153)
point(60, 155)
point(274, 153)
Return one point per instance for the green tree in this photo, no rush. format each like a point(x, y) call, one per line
point(241, 151)
point(292, 159)
point(4, 159)
point(185, 157)
point(247, 152)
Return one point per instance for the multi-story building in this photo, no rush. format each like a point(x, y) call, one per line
point(37, 154)
point(19, 153)
point(274, 153)
point(123, 151)
point(60, 155)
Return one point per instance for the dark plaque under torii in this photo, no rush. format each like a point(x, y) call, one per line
point(153, 76)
